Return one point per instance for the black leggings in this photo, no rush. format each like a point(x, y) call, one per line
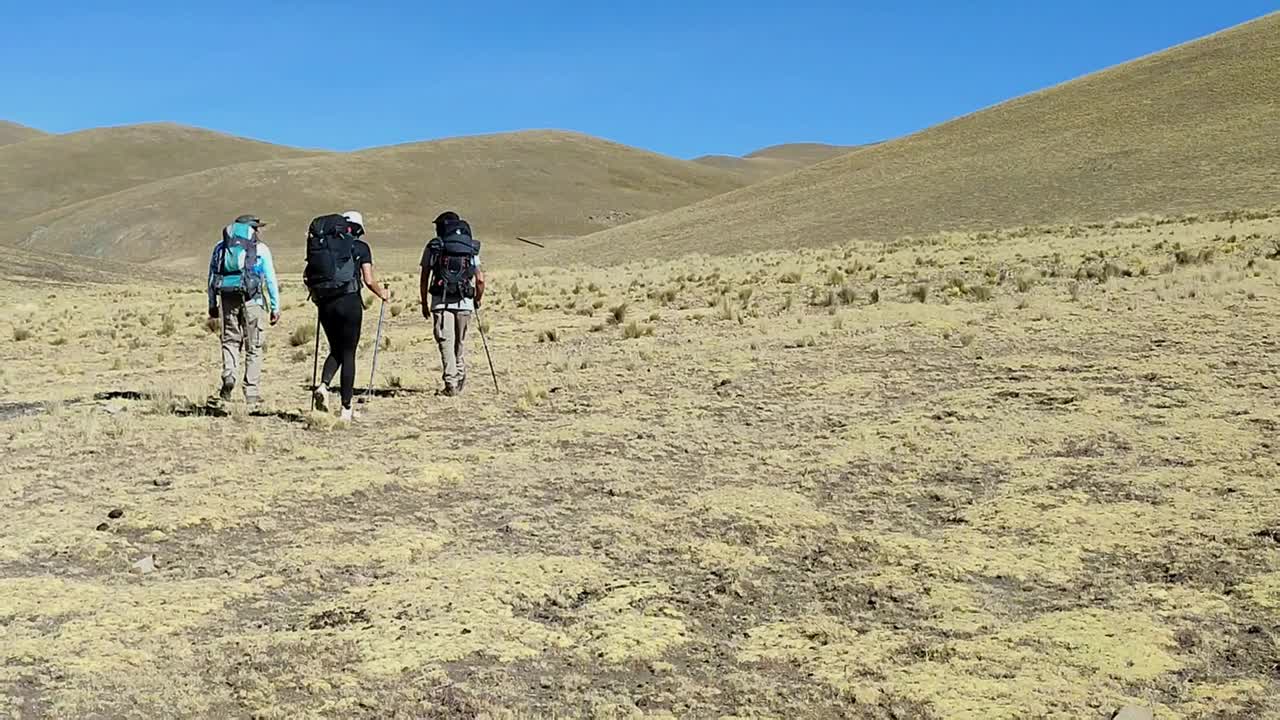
point(341, 318)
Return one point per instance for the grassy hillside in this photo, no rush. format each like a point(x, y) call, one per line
point(775, 160)
point(529, 183)
point(1190, 129)
point(57, 170)
point(12, 132)
point(801, 153)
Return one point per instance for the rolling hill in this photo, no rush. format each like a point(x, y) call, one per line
point(528, 183)
point(12, 132)
point(775, 160)
point(1190, 129)
point(58, 170)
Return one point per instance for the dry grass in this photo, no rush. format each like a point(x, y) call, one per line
point(954, 509)
point(141, 182)
point(1111, 144)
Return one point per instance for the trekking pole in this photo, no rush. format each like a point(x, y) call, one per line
point(485, 342)
point(315, 363)
point(377, 341)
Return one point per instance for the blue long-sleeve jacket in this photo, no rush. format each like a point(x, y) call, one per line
point(265, 268)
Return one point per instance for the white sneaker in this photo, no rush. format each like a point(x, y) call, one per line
point(321, 396)
point(348, 415)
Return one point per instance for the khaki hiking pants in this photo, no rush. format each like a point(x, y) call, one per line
point(450, 329)
point(242, 328)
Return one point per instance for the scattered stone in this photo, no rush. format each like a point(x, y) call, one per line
point(102, 527)
point(162, 482)
point(156, 536)
point(116, 514)
point(114, 409)
point(146, 565)
point(1133, 712)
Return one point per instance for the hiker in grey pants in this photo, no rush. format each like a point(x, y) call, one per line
point(451, 287)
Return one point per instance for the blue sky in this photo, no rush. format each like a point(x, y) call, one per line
point(679, 78)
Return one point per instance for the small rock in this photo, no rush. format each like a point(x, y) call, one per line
point(1133, 712)
point(103, 527)
point(114, 409)
point(145, 565)
point(162, 482)
point(116, 514)
point(156, 536)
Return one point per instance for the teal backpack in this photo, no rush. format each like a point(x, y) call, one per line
point(237, 273)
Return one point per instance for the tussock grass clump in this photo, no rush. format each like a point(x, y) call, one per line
point(1195, 257)
point(725, 310)
point(168, 326)
point(58, 341)
point(396, 310)
point(1025, 282)
point(634, 330)
point(531, 397)
point(618, 314)
point(847, 295)
point(835, 278)
point(875, 296)
point(792, 277)
point(981, 293)
point(744, 294)
point(302, 335)
point(299, 355)
point(666, 295)
point(919, 293)
point(549, 335)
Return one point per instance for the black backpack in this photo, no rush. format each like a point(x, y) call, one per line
point(331, 265)
point(451, 258)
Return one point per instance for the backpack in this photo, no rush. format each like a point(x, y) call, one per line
point(331, 264)
point(236, 269)
point(452, 262)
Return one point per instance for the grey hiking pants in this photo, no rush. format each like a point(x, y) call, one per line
point(450, 329)
point(242, 328)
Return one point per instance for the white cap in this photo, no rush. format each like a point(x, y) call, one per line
point(354, 216)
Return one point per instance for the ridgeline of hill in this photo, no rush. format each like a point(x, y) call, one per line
point(12, 132)
point(775, 159)
point(162, 193)
point(1190, 129)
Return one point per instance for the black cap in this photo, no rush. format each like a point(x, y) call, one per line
point(447, 217)
point(251, 220)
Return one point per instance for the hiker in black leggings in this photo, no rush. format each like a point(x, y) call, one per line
point(341, 317)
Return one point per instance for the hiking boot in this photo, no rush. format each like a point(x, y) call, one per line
point(254, 402)
point(224, 393)
point(462, 382)
point(321, 396)
point(449, 390)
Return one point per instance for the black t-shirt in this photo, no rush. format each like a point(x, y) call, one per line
point(363, 255)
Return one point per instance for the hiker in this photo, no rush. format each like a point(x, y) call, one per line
point(239, 267)
point(339, 262)
point(451, 287)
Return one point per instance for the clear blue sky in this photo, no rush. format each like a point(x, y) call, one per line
point(675, 77)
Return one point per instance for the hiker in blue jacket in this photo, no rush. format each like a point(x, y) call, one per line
point(243, 292)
